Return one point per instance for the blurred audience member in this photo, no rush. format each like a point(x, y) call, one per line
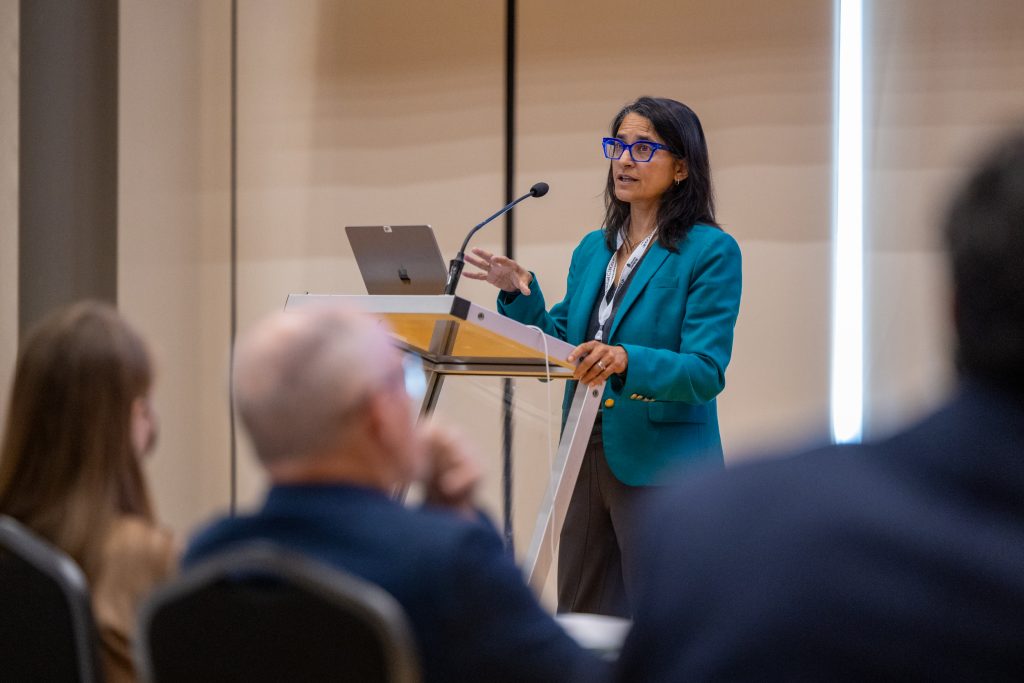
point(322, 395)
point(897, 560)
point(78, 425)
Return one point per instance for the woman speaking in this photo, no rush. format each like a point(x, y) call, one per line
point(651, 301)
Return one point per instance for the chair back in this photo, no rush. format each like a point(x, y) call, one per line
point(261, 613)
point(47, 632)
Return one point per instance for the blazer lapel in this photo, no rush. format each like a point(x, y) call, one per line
point(590, 288)
point(655, 256)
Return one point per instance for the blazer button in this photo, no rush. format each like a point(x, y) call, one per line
point(609, 403)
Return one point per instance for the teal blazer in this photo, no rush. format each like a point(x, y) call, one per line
point(676, 324)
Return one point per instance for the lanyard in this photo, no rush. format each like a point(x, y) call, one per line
point(611, 292)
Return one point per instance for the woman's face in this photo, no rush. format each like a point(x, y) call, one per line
point(144, 427)
point(644, 182)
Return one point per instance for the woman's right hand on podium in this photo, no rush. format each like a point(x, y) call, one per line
point(500, 271)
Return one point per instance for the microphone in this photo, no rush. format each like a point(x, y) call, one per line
point(456, 265)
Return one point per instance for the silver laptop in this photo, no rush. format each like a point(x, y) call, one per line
point(398, 259)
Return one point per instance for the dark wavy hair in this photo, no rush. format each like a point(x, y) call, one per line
point(684, 205)
point(984, 232)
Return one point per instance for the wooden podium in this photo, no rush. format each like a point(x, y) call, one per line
point(456, 337)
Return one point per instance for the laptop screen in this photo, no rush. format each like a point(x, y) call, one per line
point(398, 259)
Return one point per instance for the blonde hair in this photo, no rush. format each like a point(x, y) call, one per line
point(67, 465)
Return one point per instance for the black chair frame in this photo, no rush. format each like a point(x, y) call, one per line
point(55, 565)
point(265, 560)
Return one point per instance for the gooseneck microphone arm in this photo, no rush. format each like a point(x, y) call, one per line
point(456, 265)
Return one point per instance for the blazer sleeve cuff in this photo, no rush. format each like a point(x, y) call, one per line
point(520, 307)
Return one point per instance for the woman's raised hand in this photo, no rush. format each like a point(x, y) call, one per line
point(500, 271)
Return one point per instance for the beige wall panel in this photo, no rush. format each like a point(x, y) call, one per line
point(776, 395)
point(911, 337)
point(9, 60)
point(944, 77)
point(174, 237)
point(363, 112)
point(760, 77)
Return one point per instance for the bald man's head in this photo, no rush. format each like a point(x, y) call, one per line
point(301, 377)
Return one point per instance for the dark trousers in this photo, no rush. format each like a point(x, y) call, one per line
point(597, 568)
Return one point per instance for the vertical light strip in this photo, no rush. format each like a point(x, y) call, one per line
point(848, 228)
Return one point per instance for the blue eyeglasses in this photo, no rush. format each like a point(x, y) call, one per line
point(640, 151)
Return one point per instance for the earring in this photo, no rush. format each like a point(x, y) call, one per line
point(678, 180)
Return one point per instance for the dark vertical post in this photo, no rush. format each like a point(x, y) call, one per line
point(67, 156)
point(510, 177)
point(233, 266)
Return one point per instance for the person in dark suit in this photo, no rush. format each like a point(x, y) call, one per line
point(896, 560)
point(322, 395)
